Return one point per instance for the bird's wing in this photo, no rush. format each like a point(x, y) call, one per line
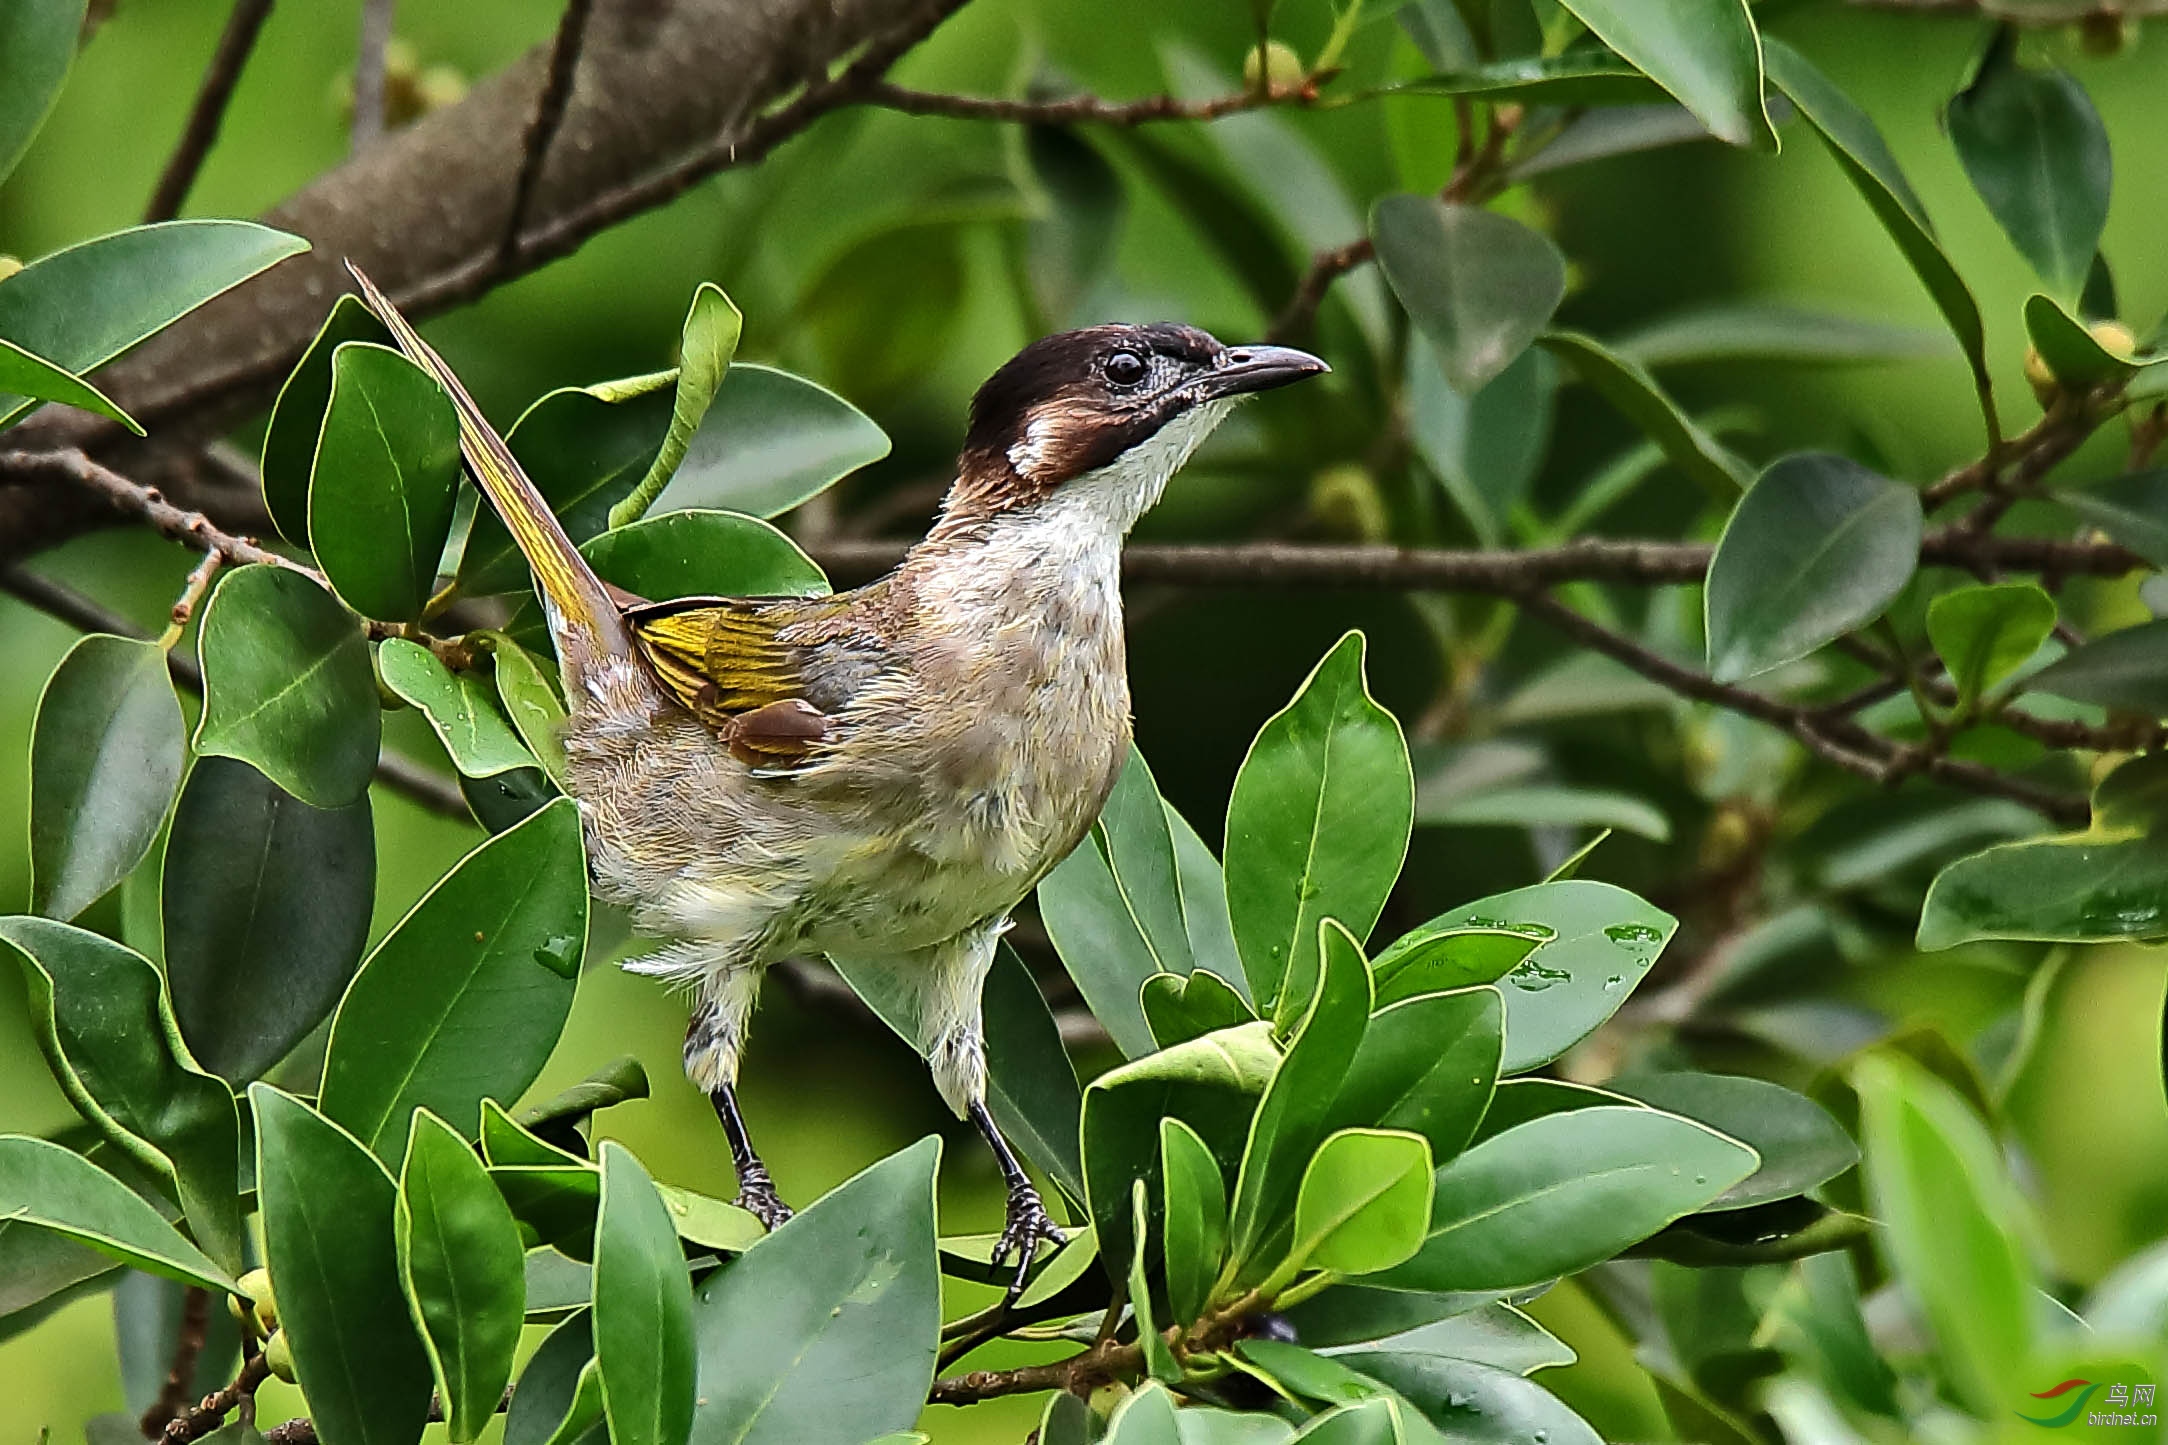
point(727, 661)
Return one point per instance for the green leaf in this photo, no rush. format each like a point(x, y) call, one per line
point(1817, 547)
point(287, 686)
point(106, 754)
point(463, 1271)
point(297, 416)
point(1951, 1226)
point(1585, 75)
point(330, 1243)
point(2038, 155)
point(643, 1321)
point(265, 907)
point(1031, 1086)
point(1353, 1314)
point(1818, 1323)
point(1100, 943)
point(1181, 1008)
point(1475, 1403)
point(1548, 805)
point(1450, 952)
point(1484, 449)
point(1563, 1192)
point(1984, 634)
point(1516, 1101)
point(2074, 355)
point(532, 705)
point(828, 1330)
point(704, 554)
point(1212, 1084)
point(1305, 1373)
point(108, 1036)
point(1195, 1227)
point(617, 1082)
point(1599, 942)
point(1140, 851)
point(1158, 1357)
point(1364, 1204)
point(1628, 387)
point(548, 1397)
point(81, 307)
point(23, 373)
point(1204, 905)
point(2127, 669)
point(770, 441)
point(1426, 1065)
point(709, 339)
point(2132, 509)
point(551, 1193)
point(1292, 1116)
point(1800, 1145)
point(2079, 888)
point(466, 997)
point(1318, 823)
point(1480, 285)
point(50, 1189)
point(1866, 161)
point(458, 706)
point(1766, 331)
point(383, 483)
point(37, 42)
point(1705, 52)
point(585, 449)
point(1497, 1335)
point(1146, 1417)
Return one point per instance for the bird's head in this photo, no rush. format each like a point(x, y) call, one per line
point(1112, 411)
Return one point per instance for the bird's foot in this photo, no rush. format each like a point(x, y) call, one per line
point(1028, 1226)
point(757, 1197)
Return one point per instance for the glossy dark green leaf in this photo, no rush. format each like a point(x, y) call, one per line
point(1354, 1314)
point(2038, 155)
point(1988, 632)
point(1628, 387)
point(265, 907)
point(1585, 75)
point(25, 374)
point(1774, 1233)
point(1951, 1226)
point(1564, 1191)
point(2127, 669)
point(1204, 905)
point(585, 449)
point(46, 1188)
point(466, 997)
point(1482, 286)
point(383, 482)
point(1145, 1417)
point(1867, 162)
point(643, 1320)
point(532, 704)
point(2132, 509)
point(706, 344)
point(704, 554)
point(460, 706)
point(1067, 1420)
point(617, 1082)
point(1100, 943)
point(1212, 1084)
point(1296, 1109)
point(81, 307)
point(2079, 888)
point(1181, 1008)
point(550, 1382)
point(1139, 846)
point(106, 754)
point(330, 1244)
point(2076, 358)
point(297, 416)
point(1159, 1360)
point(1484, 449)
point(1031, 1086)
point(1364, 1204)
point(1800, 1145)
point(1195, 1218)
point(1318, 823)
point(1497, 1335)
point(1620, 130)
point(1817, 547)
point(1450, 952)
point(1705, 52)
point(37, 41)
point(1427, 1065)
point(771, 440)
point(287, 686)
point(552, 1193)
point(1310, 1376)
point(1480, 1404)
point(1516, 1101)
point(463, 1272)
point(828, 1330)
point(1770, 331)
point(108, 1036)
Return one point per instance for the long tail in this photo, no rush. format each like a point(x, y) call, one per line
point(584, 620)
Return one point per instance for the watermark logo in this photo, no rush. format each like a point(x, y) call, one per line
point(2124, 1404)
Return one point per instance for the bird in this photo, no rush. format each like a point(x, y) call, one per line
point(884, 772)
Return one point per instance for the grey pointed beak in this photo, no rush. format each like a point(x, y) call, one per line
point(1258, 368)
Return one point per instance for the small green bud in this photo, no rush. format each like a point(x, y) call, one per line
point(1282, 68)
point(279, 1356)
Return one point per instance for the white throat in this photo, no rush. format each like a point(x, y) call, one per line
point(1103, 505)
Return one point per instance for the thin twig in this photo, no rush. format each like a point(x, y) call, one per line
point(146, 504)
point(549, 115)
point(376, 18)
point(209, 112)
point(1082, 109)
point(187, 1349)
point(211, 1411)
point(184, 606)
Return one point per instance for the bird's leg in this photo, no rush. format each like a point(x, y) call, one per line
point(1027, 1223)
point(714, 1039)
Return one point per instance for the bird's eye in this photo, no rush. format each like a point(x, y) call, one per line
point(1125, 368)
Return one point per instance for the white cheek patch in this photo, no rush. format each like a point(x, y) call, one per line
point(1031, 454)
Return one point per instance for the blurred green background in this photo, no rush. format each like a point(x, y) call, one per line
point(872, 254)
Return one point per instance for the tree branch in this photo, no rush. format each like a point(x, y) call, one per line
point(187, 1349)
point(549, 114)
point(376, 17)
point(211, 1412)
point(209, 112)
point(145, 504)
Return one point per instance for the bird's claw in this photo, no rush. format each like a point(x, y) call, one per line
point(758, 1198)
point(1028, 1226)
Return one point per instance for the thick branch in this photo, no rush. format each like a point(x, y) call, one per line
point(212, 1411)
point(209, 112)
